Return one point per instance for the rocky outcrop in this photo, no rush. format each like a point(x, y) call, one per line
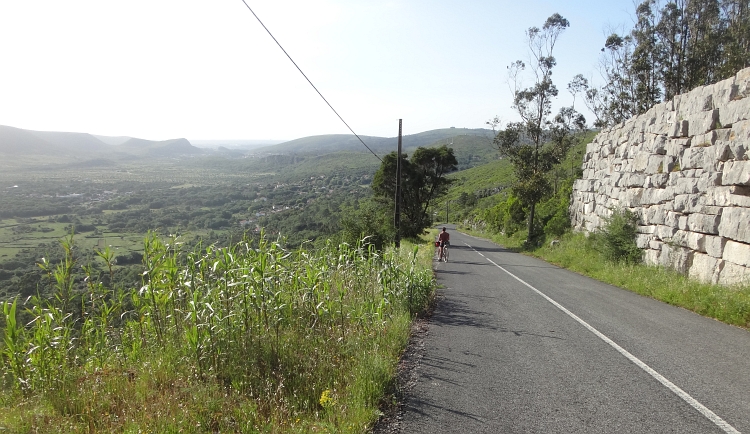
point(684, 168)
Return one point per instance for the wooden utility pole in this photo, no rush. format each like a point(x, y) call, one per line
point(397, 217)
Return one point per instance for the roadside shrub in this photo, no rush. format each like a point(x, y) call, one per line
point(616, 240)
point(507, 217)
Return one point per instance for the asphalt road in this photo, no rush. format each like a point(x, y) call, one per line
point(502, 355)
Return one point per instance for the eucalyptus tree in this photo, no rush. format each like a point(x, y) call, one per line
point(525, 143)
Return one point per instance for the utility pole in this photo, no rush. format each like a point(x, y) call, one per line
point(397, 217)
point(446, 210)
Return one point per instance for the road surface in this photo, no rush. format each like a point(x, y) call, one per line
point(517, 345)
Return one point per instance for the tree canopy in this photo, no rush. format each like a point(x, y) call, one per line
point(422, 181)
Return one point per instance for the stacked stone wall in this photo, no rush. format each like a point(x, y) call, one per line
point(684, 168)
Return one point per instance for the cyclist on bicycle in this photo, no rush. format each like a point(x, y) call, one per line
point(444, 238)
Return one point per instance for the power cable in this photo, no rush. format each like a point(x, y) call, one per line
point(308, 80)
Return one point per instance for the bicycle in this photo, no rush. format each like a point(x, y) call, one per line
point(444, 256)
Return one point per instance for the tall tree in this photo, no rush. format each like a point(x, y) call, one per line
point(645, 67)
point(422, 181)
point(523, 142)
point(736, 53)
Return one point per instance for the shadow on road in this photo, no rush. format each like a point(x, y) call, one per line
point(439, 271)
point(453, 313)
point(417, 404)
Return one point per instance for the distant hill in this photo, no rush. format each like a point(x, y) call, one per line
point(165, 148)
point(113, 140)
point(299, 157)
point(64, 147)
point(17, 142)
point(235, 144)
point(380, 145)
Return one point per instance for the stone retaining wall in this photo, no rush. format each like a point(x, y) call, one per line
point(684, 168)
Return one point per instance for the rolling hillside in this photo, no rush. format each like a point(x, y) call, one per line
point(380, 145)
point(51, 147)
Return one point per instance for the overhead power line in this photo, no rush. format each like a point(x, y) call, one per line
point(308, 80)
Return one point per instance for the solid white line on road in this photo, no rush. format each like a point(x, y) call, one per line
point(713, 417)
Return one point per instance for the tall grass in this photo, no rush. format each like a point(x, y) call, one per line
point(247, 338)
point(730, 304)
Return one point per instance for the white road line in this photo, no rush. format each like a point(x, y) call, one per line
point(713, 417)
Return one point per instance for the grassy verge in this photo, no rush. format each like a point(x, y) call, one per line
point(249, 338)
point(575, 252)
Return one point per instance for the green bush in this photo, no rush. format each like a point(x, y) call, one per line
point(616, 240)
point(507, 217)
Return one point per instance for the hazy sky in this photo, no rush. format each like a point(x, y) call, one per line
point(160, 69)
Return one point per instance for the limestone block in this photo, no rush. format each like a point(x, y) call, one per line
point(678, 258)
point(704, 223)
point(705, 268)
point(742, 79)
point(664, 232)
point(678, 128)
point(654, 244)
point(659, 180)
point(680, 203)
point(723, 135)
point(739, 253)
point(654, 215)
point(682, 223)
point(692, 158)
point(650, 196)
point(704, 140)
point(735, 195)
point(633, 197)
point(640, 162)
point(739, 139)
point(642, 240)
point(740, 132)
point(671, 163)
point(686, 186)
point(715, 245)
point(734, 111)
point(724, 91)
point(709, 180)
point(685, 202)
point(706, 209)
point(673, 219)
point(675, 147)
point(634, 180)
point(673, 177)
point(656, 164)
point(735, 224)
point(736, 173)
point(691, 240)
point(733, 274)
point(651, 257)
point(702, 122)
point(721, 151)
point(650, 229)
point(656, 144)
